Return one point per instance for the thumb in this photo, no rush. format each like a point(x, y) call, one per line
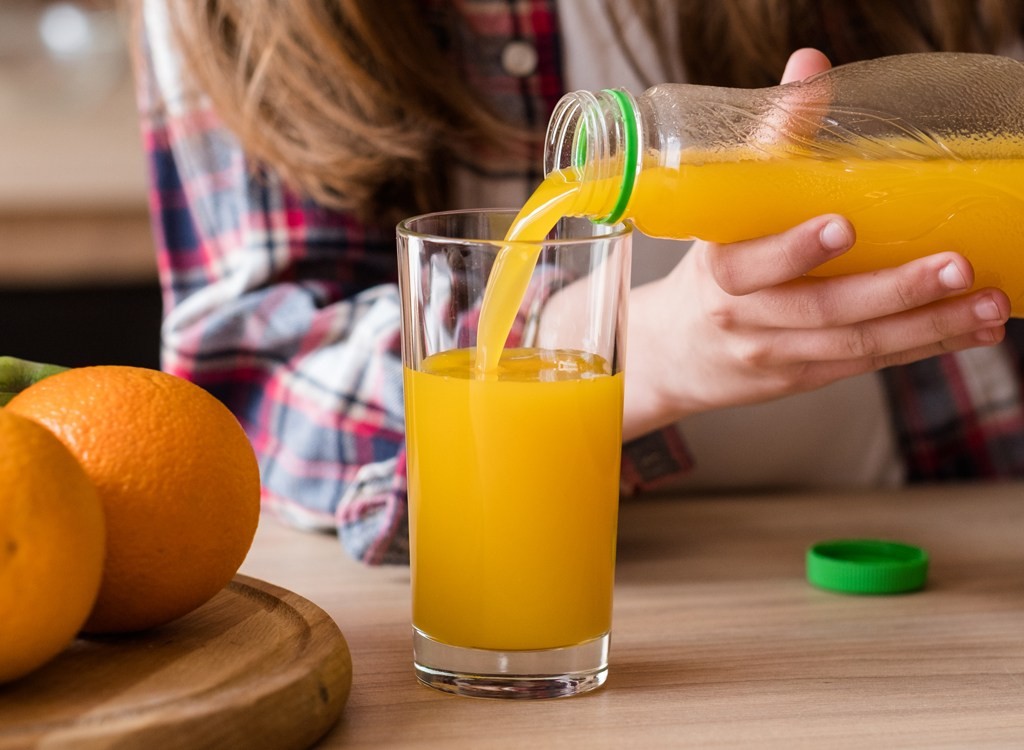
point(804, 63)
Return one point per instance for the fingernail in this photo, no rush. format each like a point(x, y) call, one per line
point(987, 309)
point(951, 277)
point(835, 237)
point(986, 336)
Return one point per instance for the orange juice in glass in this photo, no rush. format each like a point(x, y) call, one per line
point(513, 457)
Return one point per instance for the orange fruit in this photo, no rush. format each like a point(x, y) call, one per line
point(178, 479)
point(51, 546)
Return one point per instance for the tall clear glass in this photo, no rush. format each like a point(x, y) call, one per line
point(514, 469)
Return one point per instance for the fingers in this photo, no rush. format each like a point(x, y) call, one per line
point(780, 362)
point(795, 111)
point(744, 267)
point(846, 300)
point(843, 300)
point(804, 63)
point(816, 374)
point(776, 268)
point(933, 329)
point(984, 337)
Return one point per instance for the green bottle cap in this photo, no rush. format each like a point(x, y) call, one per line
point(867, 566)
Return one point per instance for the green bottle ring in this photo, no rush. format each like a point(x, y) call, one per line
point(630, 148)
point(579, 158)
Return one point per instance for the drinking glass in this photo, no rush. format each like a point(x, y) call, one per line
point(513, 468)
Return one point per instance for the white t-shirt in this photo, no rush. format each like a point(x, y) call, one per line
point(839, 436)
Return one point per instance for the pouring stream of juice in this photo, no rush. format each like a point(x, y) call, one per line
point(510, 276)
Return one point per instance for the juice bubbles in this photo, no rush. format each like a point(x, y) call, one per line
point(517, 480)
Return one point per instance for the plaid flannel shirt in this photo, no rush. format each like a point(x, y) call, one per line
point(289, 312)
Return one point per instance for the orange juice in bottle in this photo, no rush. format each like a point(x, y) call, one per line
point(922, 153)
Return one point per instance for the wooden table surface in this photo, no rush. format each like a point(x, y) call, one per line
point(718, 641)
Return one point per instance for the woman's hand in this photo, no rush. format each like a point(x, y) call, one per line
point(743, 323)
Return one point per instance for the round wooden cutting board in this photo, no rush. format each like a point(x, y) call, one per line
point(255, 667)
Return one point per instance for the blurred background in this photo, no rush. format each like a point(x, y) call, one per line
point(78, 280)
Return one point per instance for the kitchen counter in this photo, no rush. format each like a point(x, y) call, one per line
point(718, 639)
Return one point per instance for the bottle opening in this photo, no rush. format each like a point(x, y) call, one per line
point(596, 137)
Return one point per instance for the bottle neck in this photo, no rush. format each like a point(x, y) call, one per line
point(594, 137)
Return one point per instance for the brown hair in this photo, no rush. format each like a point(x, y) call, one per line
point(355, 103)
point(746, 42)
point(359, 103)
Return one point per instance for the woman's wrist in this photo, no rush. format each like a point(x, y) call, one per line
point(655, 384)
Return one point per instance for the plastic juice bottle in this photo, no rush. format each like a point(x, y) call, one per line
point(922, 152)
point(497, 566)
